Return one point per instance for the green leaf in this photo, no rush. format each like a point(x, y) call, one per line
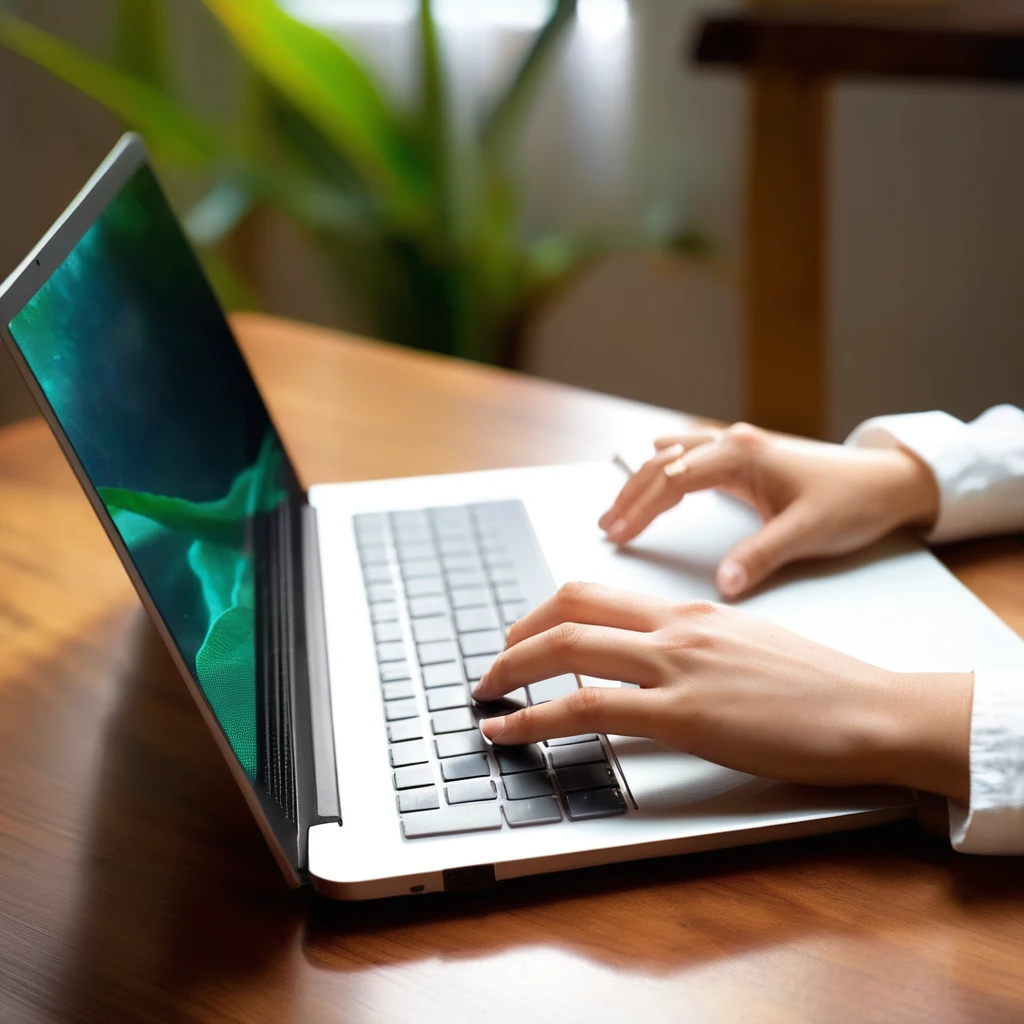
point(173, 134)
point(510, 111)
point(140, 41)
point(336, 93)
point(433, 113)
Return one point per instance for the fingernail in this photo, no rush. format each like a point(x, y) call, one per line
point(732, 578)
point(673, 451)
point(617, 529)
point(603, 522)
point(675, 468)
point(492, 727)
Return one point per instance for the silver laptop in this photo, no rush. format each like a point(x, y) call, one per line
point(331, 638)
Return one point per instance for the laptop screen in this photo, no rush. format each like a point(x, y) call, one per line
point(130, 348)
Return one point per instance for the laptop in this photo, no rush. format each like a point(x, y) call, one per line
point(330, 637)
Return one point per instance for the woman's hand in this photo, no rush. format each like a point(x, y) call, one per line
point(732, 689)
point(815, 499)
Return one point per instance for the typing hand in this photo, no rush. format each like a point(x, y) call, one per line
point(732, 689)
point(816, 499)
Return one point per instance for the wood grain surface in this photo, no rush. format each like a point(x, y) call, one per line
point(135, 887)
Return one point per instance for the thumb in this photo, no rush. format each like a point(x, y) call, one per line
point(781, 540)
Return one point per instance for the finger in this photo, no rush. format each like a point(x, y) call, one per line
point(662, 494)
point(712, 465)
point(637, 484)
point(781, 540)
point(593, 605)
point(624, 712)
point(599, 651)
point(688, 441)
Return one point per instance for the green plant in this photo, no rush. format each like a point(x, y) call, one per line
point(423, 224)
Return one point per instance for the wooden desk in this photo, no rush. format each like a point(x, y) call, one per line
point(792, 53)
point(135, 887)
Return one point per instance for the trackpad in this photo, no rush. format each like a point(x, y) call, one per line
point(661, 779)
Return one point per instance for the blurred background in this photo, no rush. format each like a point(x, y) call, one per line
point(554, 186)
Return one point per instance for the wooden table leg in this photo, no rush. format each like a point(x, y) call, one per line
point(785, 377)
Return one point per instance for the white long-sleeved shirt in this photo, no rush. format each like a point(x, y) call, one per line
point(979, 467)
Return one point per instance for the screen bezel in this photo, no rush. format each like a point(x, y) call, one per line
point(127, 157)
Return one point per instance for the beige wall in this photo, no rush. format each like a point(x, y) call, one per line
point(926, 251)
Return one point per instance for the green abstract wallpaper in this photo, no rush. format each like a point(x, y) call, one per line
point(133, 354)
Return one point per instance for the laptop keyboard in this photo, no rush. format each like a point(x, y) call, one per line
point(443, 585)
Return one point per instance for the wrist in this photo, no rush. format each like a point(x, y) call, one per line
point(930, 733)
point(914, 490)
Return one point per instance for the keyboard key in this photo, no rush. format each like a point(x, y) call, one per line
point(445, 697)
point(394, 710)
point(503, 573)
point(391, 651)
point(435, 653)
point(513, 611)
point(377, 573)
point(519, 759)
point(373, 554)
point(470, 597)
point(380, 592)
point(455, 744)
point(406, 729)
point(394, 671)
point(384, 611)
point(444, 674)
point(470, 766)
point(434, 628)
point(456, 546)
point(456, 720)
point(399, 691)
point(488, 641)
point(460, 563)
point(541, 810)
point(469, 619)
point(476, 667)
point(576, 753)
point(528, 785)
point(407, 536)
point(422, 586)
point(420, 568)
point(564, 741)
point(465, 579)
point(413, 776)
point(369, 522)
point(493, 560)
point(585, 776)
point(449, 820)
point(508, 592)
point(470, 791)
point(384, 631)
point(422, 606)
point(594, 803)
point(413, 752)
point(418, 800)
point(447, 515)
point(414, 552)
point(409, 518)
point(552, 689)
point(502, 706)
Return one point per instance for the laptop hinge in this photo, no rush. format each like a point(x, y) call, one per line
point(324, 766)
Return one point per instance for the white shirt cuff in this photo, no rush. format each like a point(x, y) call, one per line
point(979, 466)
point(994, 821)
